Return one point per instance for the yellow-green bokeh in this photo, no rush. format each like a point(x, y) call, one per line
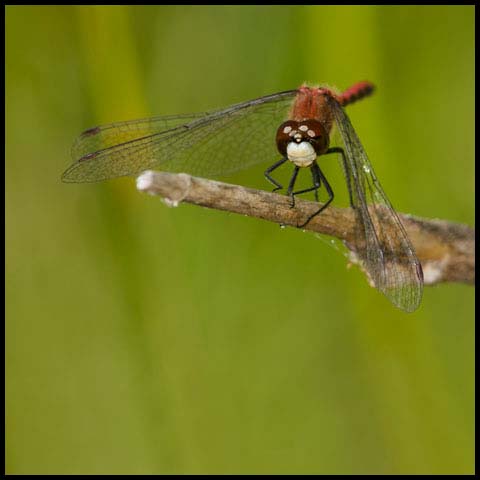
point(143, 339)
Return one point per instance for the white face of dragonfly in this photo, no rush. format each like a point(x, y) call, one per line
point(301, 142)
point(301, 154)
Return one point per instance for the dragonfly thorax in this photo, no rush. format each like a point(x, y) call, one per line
point(301, 142)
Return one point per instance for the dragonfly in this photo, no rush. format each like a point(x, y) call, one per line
point(293, 126)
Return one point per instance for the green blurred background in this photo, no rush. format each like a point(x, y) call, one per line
point(143, 339)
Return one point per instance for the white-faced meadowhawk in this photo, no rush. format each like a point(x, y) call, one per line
point(296, 124)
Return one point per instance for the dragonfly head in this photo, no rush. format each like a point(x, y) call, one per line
point(301, 142)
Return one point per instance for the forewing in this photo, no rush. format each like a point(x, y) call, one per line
point(214, 143)
point(105, 136)
point(381, 241)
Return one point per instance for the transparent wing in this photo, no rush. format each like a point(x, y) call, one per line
point(213, 143)
point(381, 241)
point(105, 136)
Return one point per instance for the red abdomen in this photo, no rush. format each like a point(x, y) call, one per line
point(355, 92)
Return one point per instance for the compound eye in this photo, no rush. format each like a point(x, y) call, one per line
point(311, 129)
point(315, 133)
point(285, 134)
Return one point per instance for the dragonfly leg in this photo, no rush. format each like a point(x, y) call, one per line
point(291, 185)
point(345, 169)
point(316, 182)
point(269, 170)
point(323, 180)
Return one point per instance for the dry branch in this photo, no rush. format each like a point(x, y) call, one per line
point(445, 249)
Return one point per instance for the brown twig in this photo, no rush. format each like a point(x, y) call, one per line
point(445, 249)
